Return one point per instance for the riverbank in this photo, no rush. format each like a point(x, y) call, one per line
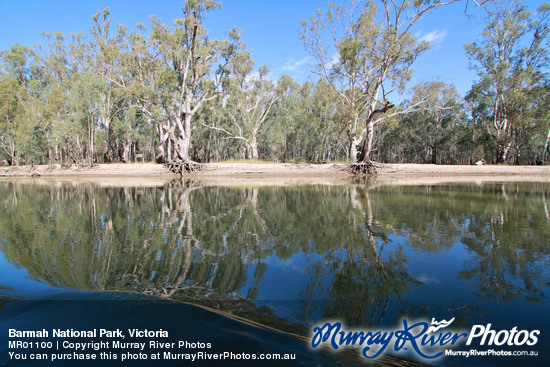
point(269, 170)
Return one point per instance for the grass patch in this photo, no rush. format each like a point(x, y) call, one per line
point(259, 161)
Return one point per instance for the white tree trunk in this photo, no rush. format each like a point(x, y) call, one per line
point(354, 148)
point(545, 146)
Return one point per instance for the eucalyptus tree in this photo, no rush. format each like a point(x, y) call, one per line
point(317, 135)
point(301, 126)
point(438, 133)
point(14, 78)
point(328, 138)
point(365, 50)
point(11, 112)
point(172, 72)
point(274, 143)
point(511, 60)
point(23, 121)
point(289, 122)
point(249, 101)
point(101, 57)
point(85, 96)
point(439, 119)
point(545, 111)
point(61, 63)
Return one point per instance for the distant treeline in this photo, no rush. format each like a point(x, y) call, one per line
point(171, 93)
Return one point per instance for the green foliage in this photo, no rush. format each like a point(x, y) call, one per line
point(260, 161)
point(364, 50)
point(171, 92)
point(249, 98)
point(511, 59)
point(436, 133)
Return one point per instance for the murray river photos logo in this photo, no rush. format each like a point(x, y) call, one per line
point(423, 339)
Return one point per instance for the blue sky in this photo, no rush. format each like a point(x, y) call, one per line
point(271, 29)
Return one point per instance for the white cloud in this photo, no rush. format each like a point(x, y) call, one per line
point(293, 65)
point(255, 75)
point(334, 59)
point(435, 36)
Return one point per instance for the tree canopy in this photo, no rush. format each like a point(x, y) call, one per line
point(172, 93)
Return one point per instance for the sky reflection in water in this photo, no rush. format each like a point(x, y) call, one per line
point(289, 256)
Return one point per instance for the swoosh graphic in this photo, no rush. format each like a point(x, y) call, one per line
point(439, 325)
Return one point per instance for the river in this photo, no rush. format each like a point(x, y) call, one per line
point(77, 255)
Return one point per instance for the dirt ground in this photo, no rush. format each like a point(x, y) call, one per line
point(291, 169)
point(150, 174)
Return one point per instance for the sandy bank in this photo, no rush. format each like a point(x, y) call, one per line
point(433, 169)
point(105, 170)
point(282, 173)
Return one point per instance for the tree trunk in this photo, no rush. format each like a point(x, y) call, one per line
point(162, 155)
point(12, 158)
point(503, 152)
point(126, 149)
point(183, 142)
point(107, 156)
point(254, 148)
point(91, 136)
point(367, 147)
point(159, 157)
point(434, 155)
point(354, 149)
point(543, 155)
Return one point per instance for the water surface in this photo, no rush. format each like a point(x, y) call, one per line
point(286, 256)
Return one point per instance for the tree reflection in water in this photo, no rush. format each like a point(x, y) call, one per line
point(215, 246)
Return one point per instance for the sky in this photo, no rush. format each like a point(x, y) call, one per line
point(271, 30)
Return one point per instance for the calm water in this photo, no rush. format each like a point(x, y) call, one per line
point(287, 257)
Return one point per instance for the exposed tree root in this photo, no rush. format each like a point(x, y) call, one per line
point(368, 168)
point(184, 167)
